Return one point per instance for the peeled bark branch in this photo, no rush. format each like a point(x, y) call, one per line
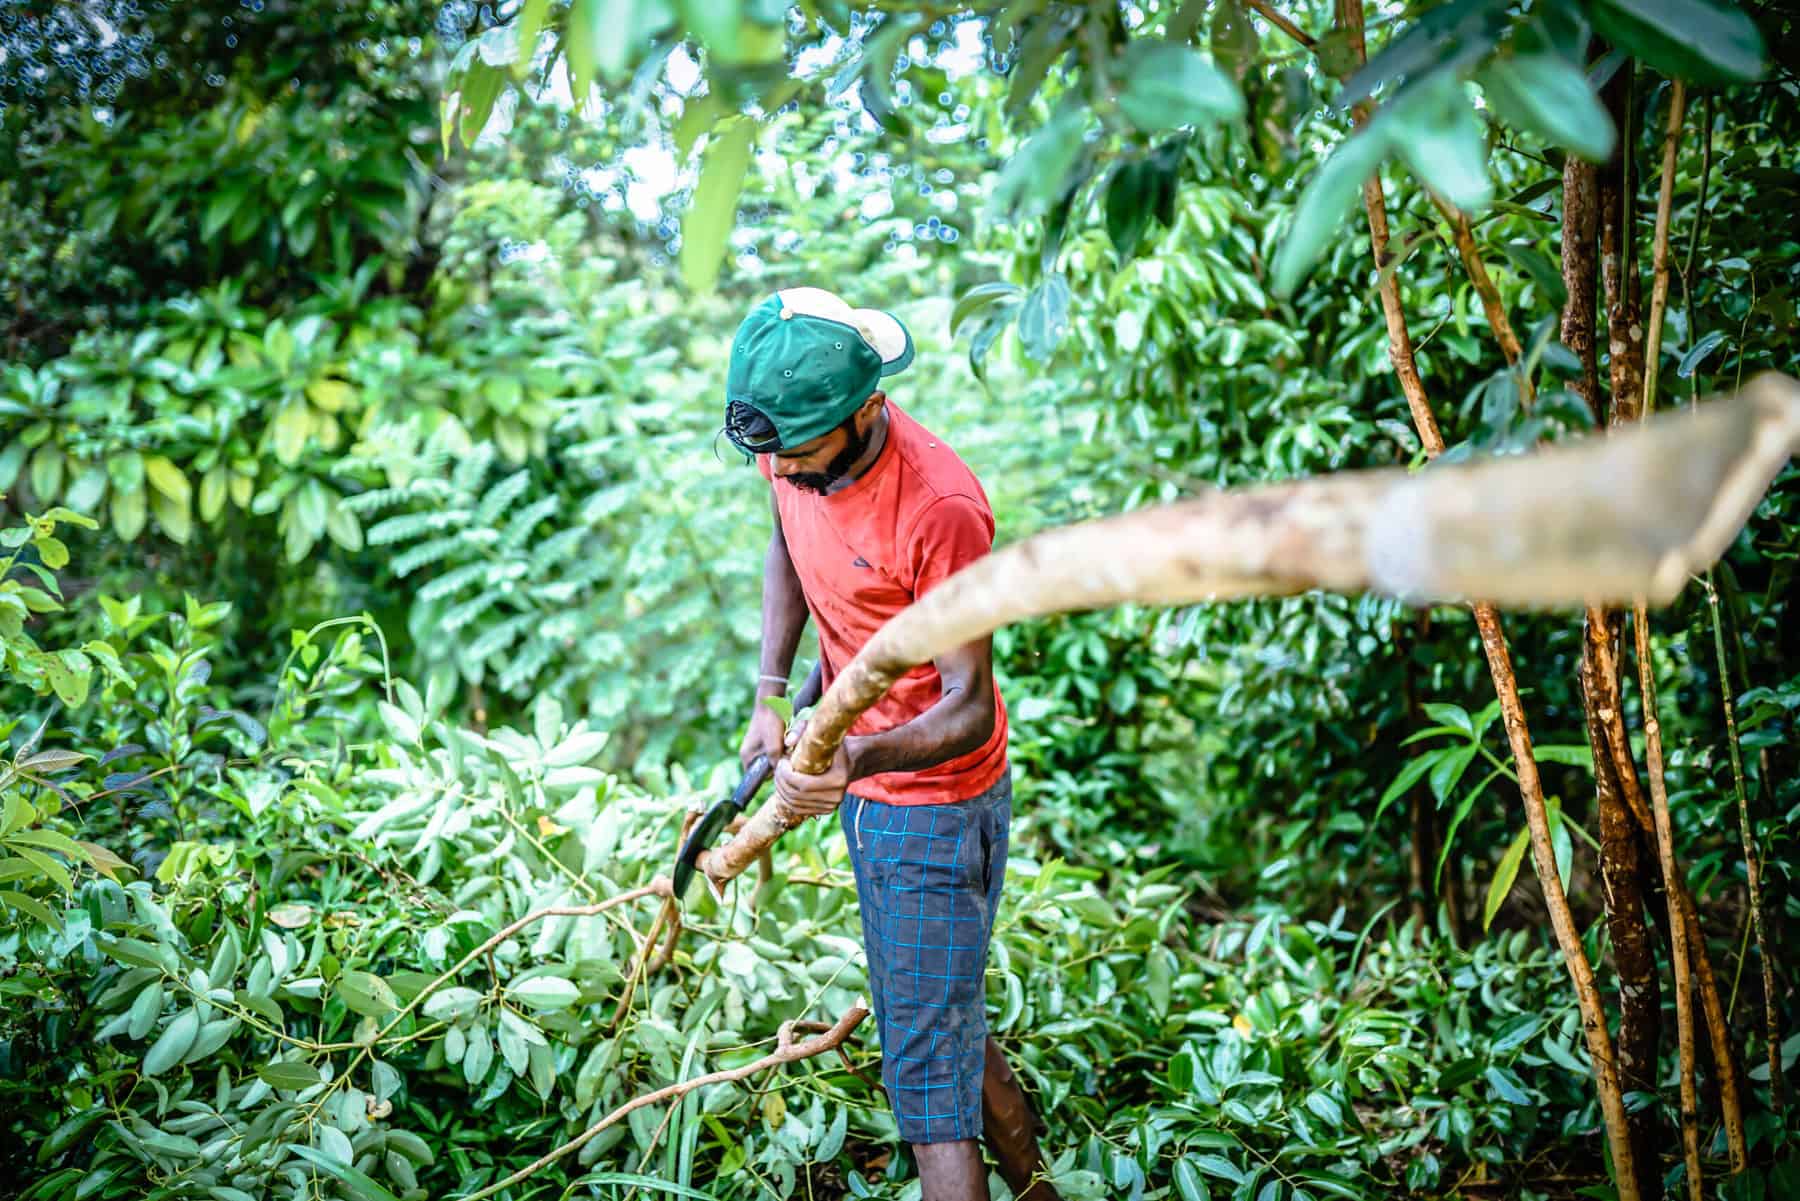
point(1599, 520)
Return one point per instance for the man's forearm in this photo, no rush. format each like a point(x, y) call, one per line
point(783, 617)
point(959, 723)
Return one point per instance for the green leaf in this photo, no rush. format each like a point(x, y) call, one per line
point(1167, 86)
point(1437, 133)
point(1189, 1181)
point(177, 1038)
point(782, 706)
point(366, 993)
point(1504, 875)
point(1037, 172)
point(1507, 1086)
point(30, 907)
point(1688, 39)
point(288, 1075)
point(1329, 195)
point(1697, 353)
point(1044, 317)
point(544, 992)
point(1216, 1165)
point(647, 1183)
point(166, 478)
point(129, 512)
point(1549, 96)
point(451, 1004)
point(401, 727)
point(359, 1184)
point(706, 227)
point(52, 551)
point(531, 23)
point(481, 87)
point(978, 298)
point(1128, 206)
point(714, 22)
point(1449, 769)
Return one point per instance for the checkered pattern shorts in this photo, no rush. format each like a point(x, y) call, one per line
point(928, 879)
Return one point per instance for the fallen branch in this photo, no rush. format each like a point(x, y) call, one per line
point(786, 1051)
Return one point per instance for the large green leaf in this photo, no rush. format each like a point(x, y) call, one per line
point(359, 1183)
point(1504, 875)
point(1549, 96)
point(1436, 131)
point(1168, 86)
point(1036, 174)
point(1329, 195)
point(706, 228)
point(1688, 39)
point(177, 1037)
point(367, 993)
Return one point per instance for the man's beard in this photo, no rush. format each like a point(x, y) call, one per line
point(837, 469)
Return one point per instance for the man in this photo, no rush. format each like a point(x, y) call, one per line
point(871, 511)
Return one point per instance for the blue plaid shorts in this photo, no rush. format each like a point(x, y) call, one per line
point(928, 881)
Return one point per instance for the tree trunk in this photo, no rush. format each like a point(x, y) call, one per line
point(1622, 872)
point(1622, 862)
point(1578, 267)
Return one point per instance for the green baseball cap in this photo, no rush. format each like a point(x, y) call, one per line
point(806, 360)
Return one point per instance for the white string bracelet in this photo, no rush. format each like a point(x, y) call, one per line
point(775, 679)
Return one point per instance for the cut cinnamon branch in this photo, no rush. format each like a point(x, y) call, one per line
point(787, 1051)
point(1595, 520)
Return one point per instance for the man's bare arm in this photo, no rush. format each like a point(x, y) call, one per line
point(961, 721)
point(783, 611)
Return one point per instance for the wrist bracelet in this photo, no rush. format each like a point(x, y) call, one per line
point(776, 679)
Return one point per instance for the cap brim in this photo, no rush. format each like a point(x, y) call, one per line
point(888, 336)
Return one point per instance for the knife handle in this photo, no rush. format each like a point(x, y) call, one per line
point(755, 776)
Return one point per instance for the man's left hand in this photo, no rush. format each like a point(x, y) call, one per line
point(808, 795)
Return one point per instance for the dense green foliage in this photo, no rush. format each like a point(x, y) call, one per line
point(270, 359)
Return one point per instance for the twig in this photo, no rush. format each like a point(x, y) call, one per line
point(787, 1051)
point(1268, 13)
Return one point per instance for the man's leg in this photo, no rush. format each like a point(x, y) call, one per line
point(1006, 1127)
point(926, 883)
point(951, 1171)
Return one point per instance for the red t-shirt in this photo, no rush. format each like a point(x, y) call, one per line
point(868, 551)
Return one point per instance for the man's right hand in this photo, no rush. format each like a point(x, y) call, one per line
point(765, 736)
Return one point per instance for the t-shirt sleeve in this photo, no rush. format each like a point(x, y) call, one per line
point(952, 532)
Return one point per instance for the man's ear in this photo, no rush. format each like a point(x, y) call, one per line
point(871, 408)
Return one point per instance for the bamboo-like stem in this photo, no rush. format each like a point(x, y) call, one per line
point(1713, 1004)
point(1752, 863)
point(787, 1051)
point(1485, 288)
point(1659, 287)
point(1653, 752)
point(1678, 934)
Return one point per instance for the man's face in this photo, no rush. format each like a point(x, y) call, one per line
point(822, 462)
